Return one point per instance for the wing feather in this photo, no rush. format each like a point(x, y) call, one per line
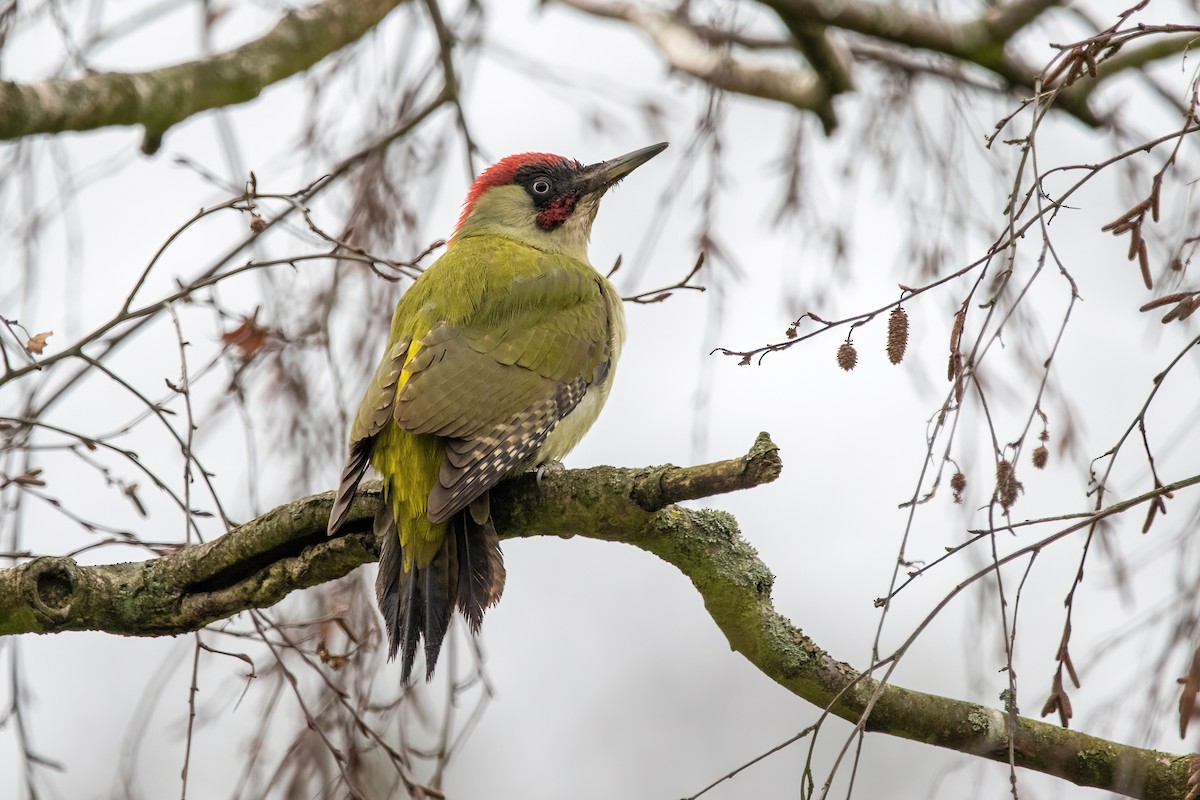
point(373, 413)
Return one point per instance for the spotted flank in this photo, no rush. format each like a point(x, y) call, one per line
point(474, 465)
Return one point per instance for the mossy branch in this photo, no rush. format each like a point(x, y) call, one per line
point(259, 563)
point(162, 98)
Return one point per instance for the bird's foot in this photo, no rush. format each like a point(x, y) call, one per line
point(551, 467)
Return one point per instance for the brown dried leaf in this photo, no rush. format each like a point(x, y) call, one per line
point(248, 338)
point(37, 342)
point(335, 662)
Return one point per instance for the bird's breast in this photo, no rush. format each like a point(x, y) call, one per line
point(571, 428)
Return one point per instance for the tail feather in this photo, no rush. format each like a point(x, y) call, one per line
point(390, 592)
point(407, 633)
point(480, 562)
point(440, 584)
point(467, 573)
point(399, 594)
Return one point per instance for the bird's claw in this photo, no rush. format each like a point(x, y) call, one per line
point(549, 466)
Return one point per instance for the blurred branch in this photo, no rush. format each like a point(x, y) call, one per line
point(162, 98)
point(1003, 21)
point(981, 42)
point(259, 563)
point(685, 50)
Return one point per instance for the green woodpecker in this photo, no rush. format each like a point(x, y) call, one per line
point(500, 357)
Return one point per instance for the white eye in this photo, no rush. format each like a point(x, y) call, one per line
point(541, 186)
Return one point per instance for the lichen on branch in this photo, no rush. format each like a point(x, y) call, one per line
point(159, 99)
point(259, 563)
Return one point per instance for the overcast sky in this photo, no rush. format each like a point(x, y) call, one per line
point(611, 679)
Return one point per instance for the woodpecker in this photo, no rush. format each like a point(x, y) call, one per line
point(500, 357)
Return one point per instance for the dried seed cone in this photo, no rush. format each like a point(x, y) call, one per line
point(954, 368)
point(847, 356)
point(1040, 456)
point(897, 338)
point(960, 319)
point(958, 483)
point(1007, 485)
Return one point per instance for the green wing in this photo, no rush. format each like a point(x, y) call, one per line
point(494, 382)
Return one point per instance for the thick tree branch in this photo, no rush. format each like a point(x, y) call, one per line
point(1005, 20)
point(980, 42)
point(686, 50)
point(161, 98)
point(258, 563)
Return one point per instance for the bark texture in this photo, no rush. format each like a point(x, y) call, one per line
point(259, 563)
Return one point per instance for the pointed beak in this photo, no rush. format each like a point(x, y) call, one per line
point(599, 177)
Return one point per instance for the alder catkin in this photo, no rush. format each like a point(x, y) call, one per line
point(897, 338)
point(960, 319)
point(958, 483)
point(1007, 485)
point(1040, 456)
point(954, 368)
point(847, 356)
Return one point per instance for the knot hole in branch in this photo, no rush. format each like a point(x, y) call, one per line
point(52, 587)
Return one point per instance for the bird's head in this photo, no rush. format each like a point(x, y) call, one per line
point(544, 200)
